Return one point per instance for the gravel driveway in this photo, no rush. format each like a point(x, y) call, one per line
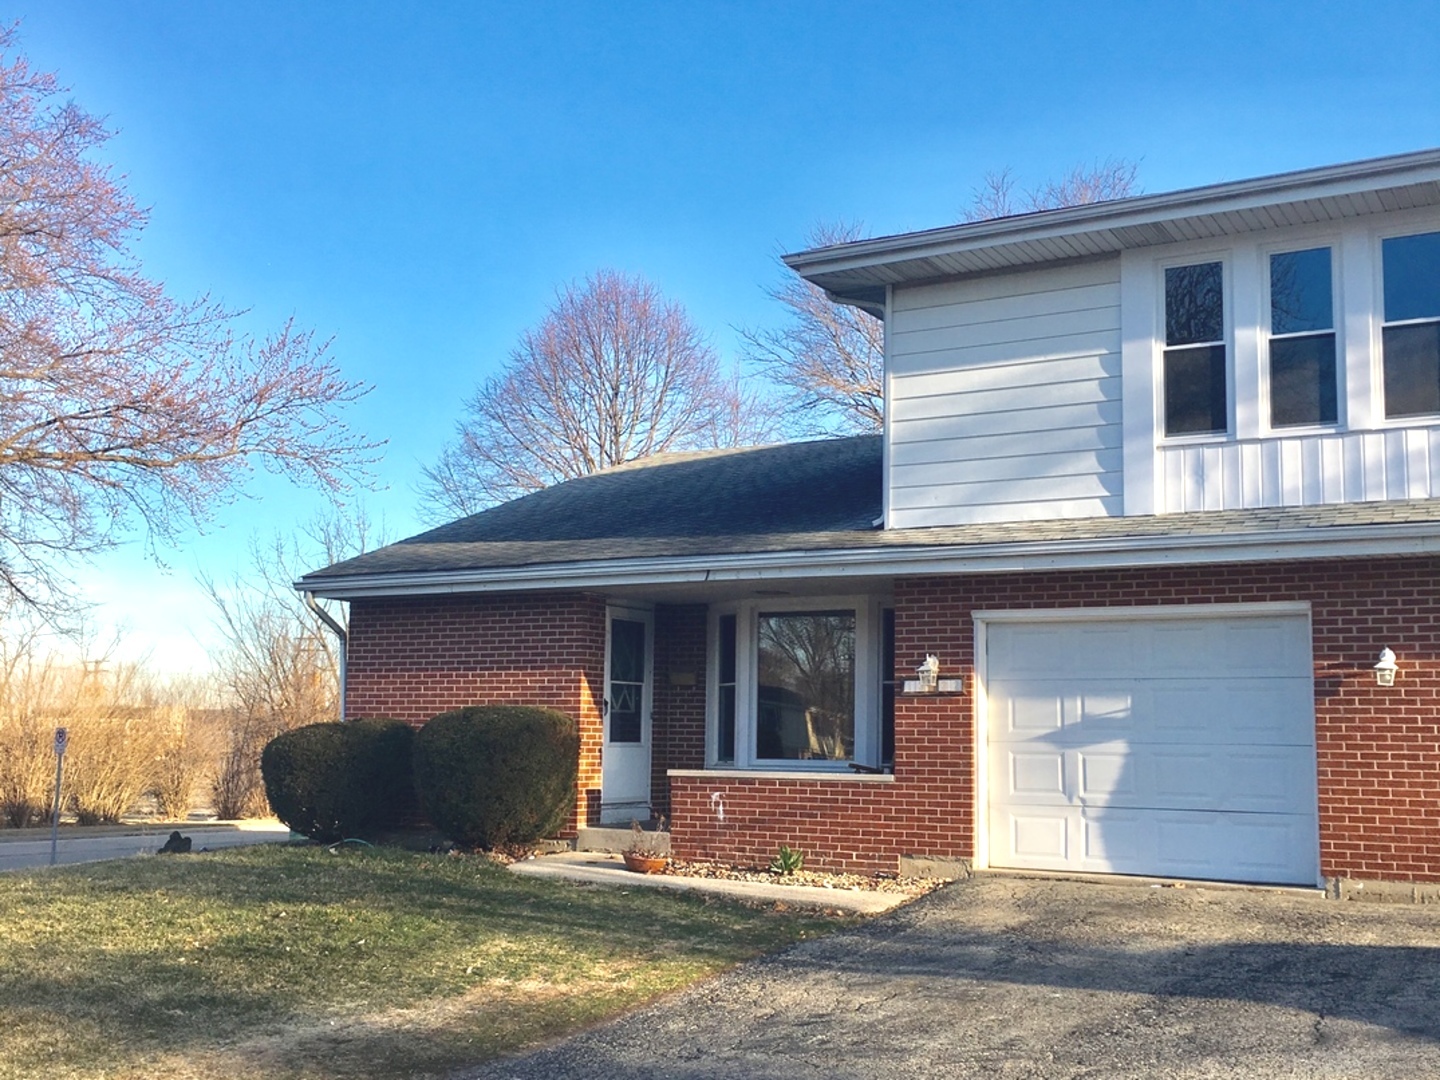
point(1012, 977)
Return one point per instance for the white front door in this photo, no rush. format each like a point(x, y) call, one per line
point(625, 757)
point(1177, 746)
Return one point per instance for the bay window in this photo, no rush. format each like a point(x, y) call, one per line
point(798, 684)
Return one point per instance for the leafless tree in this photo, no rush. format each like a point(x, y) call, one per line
point(829, 358)
point(997, 196)
point(119, 403)
point(281, 666)
point(614, 372)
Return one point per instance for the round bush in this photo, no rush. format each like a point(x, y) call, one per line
point(497, 774)
point(332, 781)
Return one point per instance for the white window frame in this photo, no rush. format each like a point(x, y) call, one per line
point(1337, 328)
point(1225, 257)
point(869, 642)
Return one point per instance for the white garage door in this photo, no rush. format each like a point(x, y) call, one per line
point(1178, 747)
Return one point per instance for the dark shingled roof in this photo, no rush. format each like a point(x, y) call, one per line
point(796, 497)
point(708, 502)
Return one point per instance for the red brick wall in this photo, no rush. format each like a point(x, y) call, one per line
point(678, 736)
point(410, 658)
point(1378, 749)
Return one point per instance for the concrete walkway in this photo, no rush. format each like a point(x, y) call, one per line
point(999, 977)
point(598, 868)
point(24, 849)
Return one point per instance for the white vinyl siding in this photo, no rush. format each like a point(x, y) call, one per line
point(1305, 470)
point(1005, 398)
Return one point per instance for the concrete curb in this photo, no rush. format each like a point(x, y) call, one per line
point(597, 868)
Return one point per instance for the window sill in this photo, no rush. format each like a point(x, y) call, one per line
point(830, 775)
point(1204, 438)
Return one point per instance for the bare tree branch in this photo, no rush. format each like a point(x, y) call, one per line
point(996, 196)
point(829, 358)
point(118, 403)
point(613, 373)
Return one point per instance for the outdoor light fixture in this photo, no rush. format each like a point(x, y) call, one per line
point(928, 679)
point(929, 674)
point(1386, 668)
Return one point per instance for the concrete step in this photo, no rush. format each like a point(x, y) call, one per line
point(620, 838)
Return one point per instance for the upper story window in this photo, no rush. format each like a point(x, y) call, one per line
point(1411, 333)
point(1303, 387)
point(1195, 363)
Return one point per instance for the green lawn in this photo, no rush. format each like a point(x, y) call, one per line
point(293, 962)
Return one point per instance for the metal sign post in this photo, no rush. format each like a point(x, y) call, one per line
point(62, 738)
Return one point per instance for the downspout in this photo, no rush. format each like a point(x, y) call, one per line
point(341, 635)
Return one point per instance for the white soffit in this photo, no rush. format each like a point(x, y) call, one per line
point(859, 271)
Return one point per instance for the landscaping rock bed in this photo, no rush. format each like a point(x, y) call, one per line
point(908, 886)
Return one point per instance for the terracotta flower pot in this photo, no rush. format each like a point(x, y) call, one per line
point(642, 863)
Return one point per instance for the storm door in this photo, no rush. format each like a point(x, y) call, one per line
point(625, 757)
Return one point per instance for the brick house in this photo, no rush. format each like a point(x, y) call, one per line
point(1160, 482)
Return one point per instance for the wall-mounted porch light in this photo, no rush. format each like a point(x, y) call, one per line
point(929, 674)
point(928, 680)
point(1385, 670)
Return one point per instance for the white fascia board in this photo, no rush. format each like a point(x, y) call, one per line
point(1353, 541)
point(1137, 211)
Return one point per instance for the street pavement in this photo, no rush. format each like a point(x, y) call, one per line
point(30, 848)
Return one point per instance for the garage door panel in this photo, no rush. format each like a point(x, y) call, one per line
point(1082, 712)
point(1266, 848)
point(1043, 649)
point(1105, 773)
point(1040, 839)
point(1037, 774)
point(1247, 779)
point(1033, 713)
point(1180, 747)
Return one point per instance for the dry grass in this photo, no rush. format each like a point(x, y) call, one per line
point(288, 963)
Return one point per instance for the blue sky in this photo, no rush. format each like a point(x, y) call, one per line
point(414, 180)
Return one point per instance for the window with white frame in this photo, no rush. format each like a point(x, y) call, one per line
point(798, 684)
point(1195, 377)
point(1303, 387)
point(1410, 335)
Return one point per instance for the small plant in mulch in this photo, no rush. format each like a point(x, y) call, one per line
point(787, 860)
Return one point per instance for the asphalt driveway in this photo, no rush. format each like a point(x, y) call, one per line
point(1011, 977)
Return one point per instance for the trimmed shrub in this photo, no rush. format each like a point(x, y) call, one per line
point(332, 781)
point(497, 774)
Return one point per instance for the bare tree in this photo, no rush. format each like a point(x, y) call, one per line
point(117, 402)
point(996, 197)
point(281, 666)
point(829, 358)
point(614, 372)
